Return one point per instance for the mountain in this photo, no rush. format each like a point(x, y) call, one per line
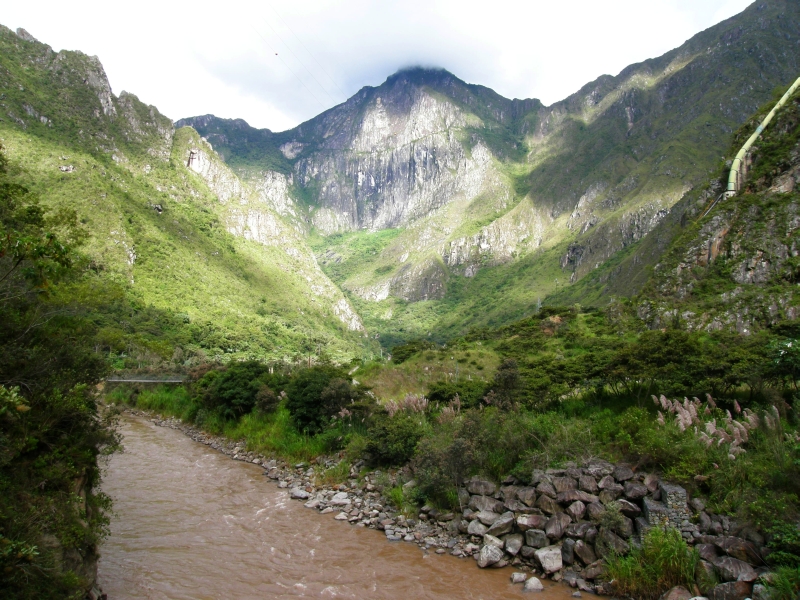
point(186, 261)
point(439, 205)
point(737, 267)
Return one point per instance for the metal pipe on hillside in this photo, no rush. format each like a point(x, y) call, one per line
point(735, 179)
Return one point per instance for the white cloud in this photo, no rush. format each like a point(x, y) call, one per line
point(197, 58)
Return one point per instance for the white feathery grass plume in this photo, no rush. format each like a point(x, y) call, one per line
point(660, 418)
point(710, 401)
point(655, 399)
point(736, 407)
point(711, 427)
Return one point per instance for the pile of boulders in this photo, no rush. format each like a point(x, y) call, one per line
point(555, 526)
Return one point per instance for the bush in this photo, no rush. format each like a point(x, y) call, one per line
point(393, 440)
point(470, 393)
point(232, 392)
point(317, 394)
point(663, 561)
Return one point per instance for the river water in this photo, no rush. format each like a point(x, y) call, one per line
point(190, 523)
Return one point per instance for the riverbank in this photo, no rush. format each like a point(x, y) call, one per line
point(552, 529)
point(190, 523)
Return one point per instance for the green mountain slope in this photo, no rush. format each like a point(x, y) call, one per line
point(737, 267)
point(495, 204)
point(179, 274)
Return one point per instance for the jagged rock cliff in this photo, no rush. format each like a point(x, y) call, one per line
point(476, 181)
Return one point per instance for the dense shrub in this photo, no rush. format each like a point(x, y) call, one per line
point(393, 440)
point(470, 393)
point(232, 392)
point(316, 395)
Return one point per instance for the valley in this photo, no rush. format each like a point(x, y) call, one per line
point(538, 338)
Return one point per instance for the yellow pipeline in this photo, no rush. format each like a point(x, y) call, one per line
point(735, 177)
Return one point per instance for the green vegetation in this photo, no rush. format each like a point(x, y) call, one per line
point(51, 516)
point(662, 562)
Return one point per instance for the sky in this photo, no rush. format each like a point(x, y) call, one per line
point(277, 63)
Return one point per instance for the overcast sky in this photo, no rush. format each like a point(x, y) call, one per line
point(277, 63)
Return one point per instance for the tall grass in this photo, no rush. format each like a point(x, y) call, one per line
point(663, 561)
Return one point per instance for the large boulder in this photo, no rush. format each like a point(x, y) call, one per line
point(562, 484)
point(598, 468)
point(518, 507)
point(622, 473)
point(527, 495)
point(595, 510)
point(677, 593)
point(651, 481)
point(525, 522)
point(489, 555)
point(490, 540)
point(608, 482)
point(734, 590)
point(487, 517)
point(707, 552)
point(625, 528)
point(479, 503)
point(634, 491)
point(629, 509)
point(536, 538)
point(549, 558)
point(576, 510)
point(575, 496)
point(608, 543)
point(533, 585)
point(584, 552)
point(502, 525)
point(546, 488)
point(733, 569)
point(705, 575)
point(513, 543)
point(548, 505)
point(594, 570)
point(481, 487)
point(477, 528)
point(568, 551)
point(299, 494)
point(555, 526)
point(587, 483)
point(741, 549)
point(578, 530)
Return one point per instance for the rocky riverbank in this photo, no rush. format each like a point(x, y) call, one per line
point(561, 524)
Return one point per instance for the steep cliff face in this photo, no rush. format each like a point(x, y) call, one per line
point(252, 213)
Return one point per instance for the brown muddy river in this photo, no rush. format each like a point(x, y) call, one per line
point(191, 523)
